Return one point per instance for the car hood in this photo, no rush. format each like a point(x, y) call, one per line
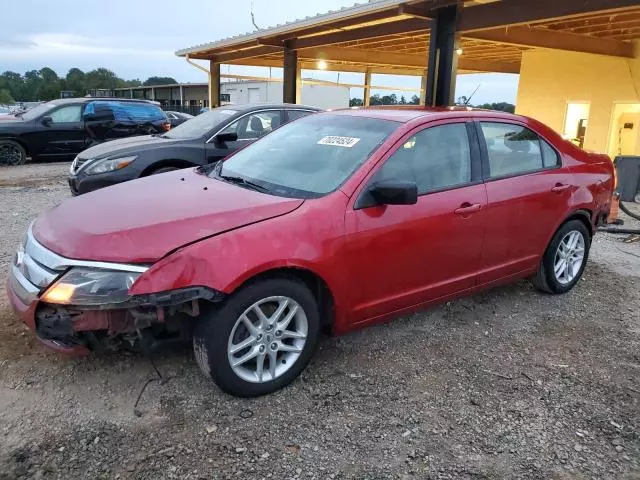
point(11, 121)
point(143, 220)
point(126, 146)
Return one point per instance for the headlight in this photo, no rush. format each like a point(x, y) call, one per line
point(85, 287)
point(109, 165)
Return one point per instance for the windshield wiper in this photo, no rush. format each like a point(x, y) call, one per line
point(243, 181)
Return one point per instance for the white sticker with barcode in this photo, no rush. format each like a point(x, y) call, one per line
point(346, 142)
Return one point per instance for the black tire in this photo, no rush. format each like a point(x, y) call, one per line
point(213, 329)
point(163, 170)
point(545, 278)
point(12, 153)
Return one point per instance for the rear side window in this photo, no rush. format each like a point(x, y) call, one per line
point(124, 111)
point(550, 157)
point(513, 149)
point(435, 158)
point(295, 114)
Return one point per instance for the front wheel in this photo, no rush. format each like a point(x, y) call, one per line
point(260, 339)
point(566, 257)
point(12, 153)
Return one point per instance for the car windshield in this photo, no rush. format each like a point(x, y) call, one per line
point(35, 112)
point(198, 127)
point(307, 158)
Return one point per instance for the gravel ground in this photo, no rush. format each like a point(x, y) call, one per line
point(506, 384)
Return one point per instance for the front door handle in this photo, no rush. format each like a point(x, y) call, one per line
point(467, 208)
point(560, 187)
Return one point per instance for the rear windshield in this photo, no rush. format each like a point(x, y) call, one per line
point(203, 124)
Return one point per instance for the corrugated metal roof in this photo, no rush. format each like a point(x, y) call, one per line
point(331, 15)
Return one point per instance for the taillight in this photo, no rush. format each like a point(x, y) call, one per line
point(166, 127)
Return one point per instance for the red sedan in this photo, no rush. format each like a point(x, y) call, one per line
point(339, 220)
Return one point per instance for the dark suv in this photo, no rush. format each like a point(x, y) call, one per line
point(199, 141)
point(60, 129)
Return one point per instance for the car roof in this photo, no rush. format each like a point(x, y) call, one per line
point(264, 106)
point(63, 101)
point(404, 114)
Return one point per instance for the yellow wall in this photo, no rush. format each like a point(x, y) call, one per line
point(549, 79)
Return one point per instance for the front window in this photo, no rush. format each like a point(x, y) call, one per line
point(255, 125)
point(198, 127)
point(434, 159)
point(67, 114)
point(310, 157)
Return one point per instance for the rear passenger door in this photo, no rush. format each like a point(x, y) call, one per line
point(528, 194)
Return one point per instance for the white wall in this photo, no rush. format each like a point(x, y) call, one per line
point(321, 96)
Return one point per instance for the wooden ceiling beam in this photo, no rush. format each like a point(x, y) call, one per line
point(246, 53)
point(547, 38)
point(374, 31)
point(402, 60)
point(515, 12)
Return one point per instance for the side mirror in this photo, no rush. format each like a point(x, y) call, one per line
point(46, 120)
point(223, 138)
point(394, 192)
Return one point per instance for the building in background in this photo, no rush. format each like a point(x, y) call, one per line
point(591, 99)
point(191, 97)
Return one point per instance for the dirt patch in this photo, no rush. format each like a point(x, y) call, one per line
point(509, 383)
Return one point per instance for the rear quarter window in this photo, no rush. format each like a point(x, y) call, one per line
point(127, 111)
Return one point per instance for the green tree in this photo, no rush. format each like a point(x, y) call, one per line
point(76, 81)
point(5, 97)
point(102, 78)
point(356, 102)
point(51, 84)
point(499, 106)
point(132, 83)
point(390, 99)
point(33, 84)
point(13, 82)
point(415, 100)
point(159, 81)
point(375, 99)
point(403, 101)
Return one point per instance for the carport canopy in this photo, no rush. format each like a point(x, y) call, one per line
point(434, 39)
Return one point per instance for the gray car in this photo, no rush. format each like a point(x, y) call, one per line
point(199, 141)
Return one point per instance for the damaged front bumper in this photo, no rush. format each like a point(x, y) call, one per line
point(141, 321)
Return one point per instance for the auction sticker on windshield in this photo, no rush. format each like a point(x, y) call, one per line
point(336, 141)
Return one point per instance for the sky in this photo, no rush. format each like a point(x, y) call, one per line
point(138, 39)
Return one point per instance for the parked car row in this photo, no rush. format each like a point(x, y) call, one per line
point(200, 141)
point(60, 129)
point(337, 220)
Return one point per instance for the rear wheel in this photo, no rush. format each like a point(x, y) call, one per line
point(260, 339)
point(12, 153)
point(566, 257)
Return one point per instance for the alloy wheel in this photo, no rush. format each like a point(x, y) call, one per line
point(267, 339)
point(10, 154)
point(569, 257)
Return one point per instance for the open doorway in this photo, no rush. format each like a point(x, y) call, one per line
point(576, 121)
point(625, 123)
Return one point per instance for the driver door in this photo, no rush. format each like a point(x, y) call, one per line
point(63, 137)
point(249, 128)
point(400, 256)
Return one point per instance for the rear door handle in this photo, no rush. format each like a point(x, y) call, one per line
point(560, 187)
point(467, 208)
